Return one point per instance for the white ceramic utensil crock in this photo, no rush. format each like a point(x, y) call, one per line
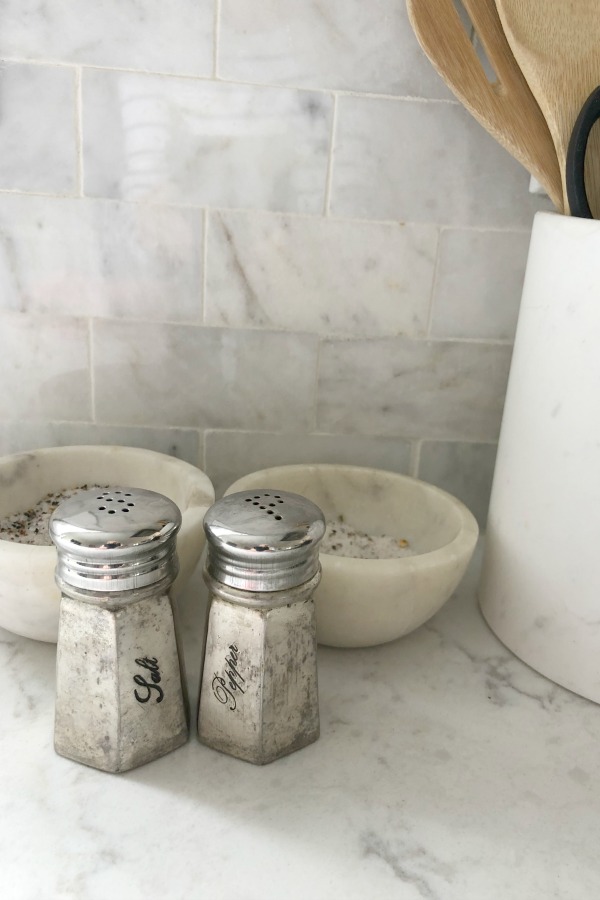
point(540, 588)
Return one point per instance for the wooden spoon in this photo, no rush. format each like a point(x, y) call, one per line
point(557, 45)
point(505, 108)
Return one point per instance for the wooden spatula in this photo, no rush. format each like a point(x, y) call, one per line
point(557, 46)
point(506, 108)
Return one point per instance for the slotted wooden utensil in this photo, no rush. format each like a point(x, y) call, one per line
point(506, 108)
point(557, 46)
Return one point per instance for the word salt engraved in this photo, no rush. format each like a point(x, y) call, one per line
point(151, 664)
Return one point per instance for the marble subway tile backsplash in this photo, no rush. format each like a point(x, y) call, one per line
point(46, 361)
point(252, 234)
point(446, 390)
point(17, 437)
point(463, 469)
point(38, 128)
point(319, 275)
point(479, 281)
point(172, 37)
point(231, 454)
point(424, 162)
point(157, 374)
point(347, 45)
point(100, 258)
point(191, 142)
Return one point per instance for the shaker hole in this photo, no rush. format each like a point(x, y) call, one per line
point(124, 509)
point(278, 517)
point(101, 507)
point(130, 504)
point(269, 512)
point(111, 512)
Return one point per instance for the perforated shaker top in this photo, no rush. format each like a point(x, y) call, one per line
point(263, 540)
point(115, 539)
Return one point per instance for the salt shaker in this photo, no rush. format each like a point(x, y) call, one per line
point(121, 696)
point(258, 692)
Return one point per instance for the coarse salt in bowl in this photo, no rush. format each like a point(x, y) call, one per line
point(29, 598)
point(432, 535)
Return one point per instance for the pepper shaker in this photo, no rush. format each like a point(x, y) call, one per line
point(121, 697)
point(258, 693)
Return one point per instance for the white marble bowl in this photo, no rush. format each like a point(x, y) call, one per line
point(29, 598)
point(363, 602)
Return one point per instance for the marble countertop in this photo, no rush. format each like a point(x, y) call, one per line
point(446, 770)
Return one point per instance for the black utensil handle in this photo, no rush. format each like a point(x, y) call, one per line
point(575, 171)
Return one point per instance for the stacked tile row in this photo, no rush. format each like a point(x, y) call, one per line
point(252, 235)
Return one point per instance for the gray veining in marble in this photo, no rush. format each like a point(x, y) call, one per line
point(342, 44)
point(395, 386)
point(446, 770)
point(133, 34)
point(100, 258)
point(37, 128)
point(47, 361)
point(184, 141)
point(156, 374)
point(479, 283)
point(231, 454)
point(425, 162)
point(322, 275)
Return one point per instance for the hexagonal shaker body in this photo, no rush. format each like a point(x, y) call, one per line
point(258, 692)
point(120, 700)
point(121, 696)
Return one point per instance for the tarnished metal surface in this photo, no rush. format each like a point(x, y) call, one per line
point(258, 693)
point(119, 695)
point(120, 692)
point(258, 697)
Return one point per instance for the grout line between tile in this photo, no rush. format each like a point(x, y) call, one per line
point(20, 193)
point(216, 39)
point(92, 370)
point(204, 266)
point(415, 458)
point(235, 82)
point(333, 336)
point(281, 213)
point(434, 281)
point(315, 402)
point(79, 130)
point(329, 178)
point(202, 442)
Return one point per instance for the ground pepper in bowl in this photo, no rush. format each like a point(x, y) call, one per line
point(31, 526)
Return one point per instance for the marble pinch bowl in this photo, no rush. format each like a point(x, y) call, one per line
point(364, 602)
point(29, 598)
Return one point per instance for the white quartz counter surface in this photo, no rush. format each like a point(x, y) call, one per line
point(446, 770)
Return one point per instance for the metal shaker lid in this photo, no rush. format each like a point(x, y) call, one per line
point(115, 539)
point(263, 540)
